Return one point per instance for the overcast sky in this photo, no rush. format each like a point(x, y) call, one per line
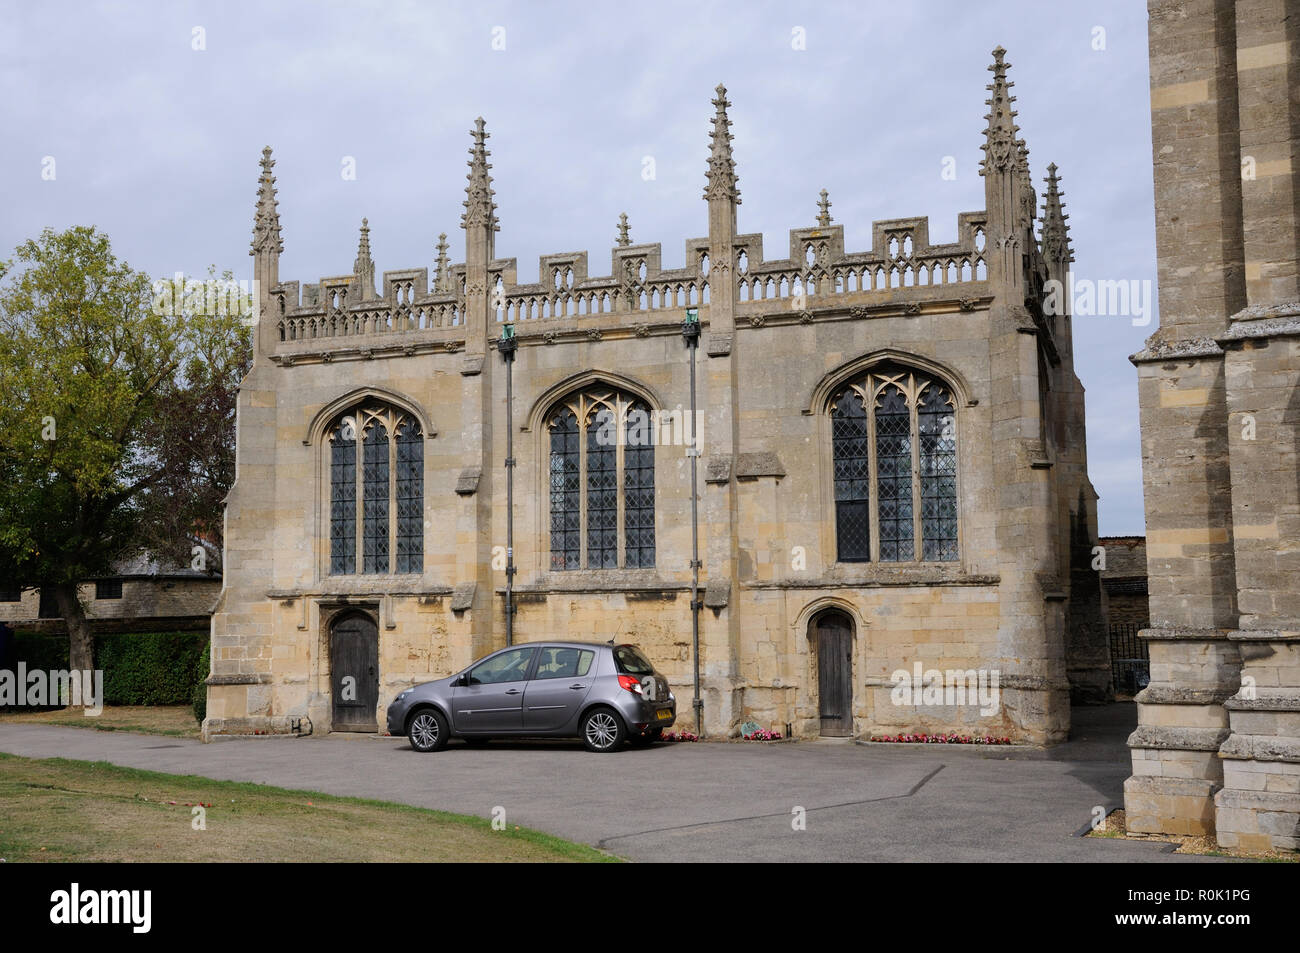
point(157, 142)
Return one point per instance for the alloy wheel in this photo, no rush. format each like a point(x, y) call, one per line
point(424, 730)
point(602, 730)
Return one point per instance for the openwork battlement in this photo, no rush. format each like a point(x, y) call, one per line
point(817, 267)
point(902, 267)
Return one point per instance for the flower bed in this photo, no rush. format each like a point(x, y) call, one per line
point(941, 739)
point(762, 734)
point(682, 735)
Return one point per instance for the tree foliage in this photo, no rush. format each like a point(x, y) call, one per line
point(117, 423)
point(194, 439)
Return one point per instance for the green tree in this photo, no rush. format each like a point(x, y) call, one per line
point(93, 377)
point(194, 440)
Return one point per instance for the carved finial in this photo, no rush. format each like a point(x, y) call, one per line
point(1022, 165)
point(363, 247)
point(442, 274)
point(480, 210)
point(1056, 233)
point(1000, 143)
point(364, 267)
point(266, 220)
point(1028, 194)
point(623, 238)
point(722, 167)
point(824, 210)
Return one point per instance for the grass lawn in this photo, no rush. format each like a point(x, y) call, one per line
point(55, 809)
point(174, 720)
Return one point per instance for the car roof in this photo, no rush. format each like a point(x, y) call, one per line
point(575, 642)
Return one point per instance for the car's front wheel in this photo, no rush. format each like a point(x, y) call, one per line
point(603, 730)
point(427, 730)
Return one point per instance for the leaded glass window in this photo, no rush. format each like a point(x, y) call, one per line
point(377, 496)
point(602, 491)
point(566, 497)
point(343, 498)
point(891, 464)
point(894, 475)
point(602, 482)
point(639, 490)
point(938, 439)
point(410, 497)
point(852, 478)
point(374, 490)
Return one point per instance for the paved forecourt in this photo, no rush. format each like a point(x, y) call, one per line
point(693, 802)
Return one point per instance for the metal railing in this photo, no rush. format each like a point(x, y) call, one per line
point(1130, 660)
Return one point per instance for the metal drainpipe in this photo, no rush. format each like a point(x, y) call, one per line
point(507, 346)
point(691, 332)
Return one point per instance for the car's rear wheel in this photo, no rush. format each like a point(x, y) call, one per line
point(427, 730)
point(647, 739)
point(603, 730)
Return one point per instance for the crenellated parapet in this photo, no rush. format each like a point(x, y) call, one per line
point(637, 282)
point(336, 307)
point(818, 272)
point(819, 277)
point(900, 258)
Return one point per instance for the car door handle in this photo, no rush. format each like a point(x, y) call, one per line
point(513, 691)
point(576, 687)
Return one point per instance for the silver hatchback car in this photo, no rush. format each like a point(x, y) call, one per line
point(603, 693)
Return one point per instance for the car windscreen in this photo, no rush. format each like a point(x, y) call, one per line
point(632, 662)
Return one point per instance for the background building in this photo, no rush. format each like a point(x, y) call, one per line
point(143, 594)
point(1124, 581)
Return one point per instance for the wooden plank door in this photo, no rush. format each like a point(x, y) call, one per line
point(354, 673)
point(835, 674)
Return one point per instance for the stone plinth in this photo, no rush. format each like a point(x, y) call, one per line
point(1181, 724)
point(1259, 806)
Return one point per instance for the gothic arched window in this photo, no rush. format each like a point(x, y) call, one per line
point(602, 488)
point(387, 516)
point(894, 442)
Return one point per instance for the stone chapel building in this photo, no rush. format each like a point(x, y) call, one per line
point(893, 468)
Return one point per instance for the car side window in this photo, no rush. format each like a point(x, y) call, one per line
point(564, 663)
point(509, 666)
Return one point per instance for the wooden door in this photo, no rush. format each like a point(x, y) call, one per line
point(354, 672)
point(834, 639)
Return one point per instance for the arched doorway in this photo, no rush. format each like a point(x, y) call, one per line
point(831, 633)
point(354, 672)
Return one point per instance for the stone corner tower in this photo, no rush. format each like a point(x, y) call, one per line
point(1217, 748)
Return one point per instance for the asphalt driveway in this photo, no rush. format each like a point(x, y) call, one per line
point(703, 801)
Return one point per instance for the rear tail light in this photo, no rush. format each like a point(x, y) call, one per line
point(630, 683)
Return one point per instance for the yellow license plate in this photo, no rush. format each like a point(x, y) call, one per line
point(664, 715)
